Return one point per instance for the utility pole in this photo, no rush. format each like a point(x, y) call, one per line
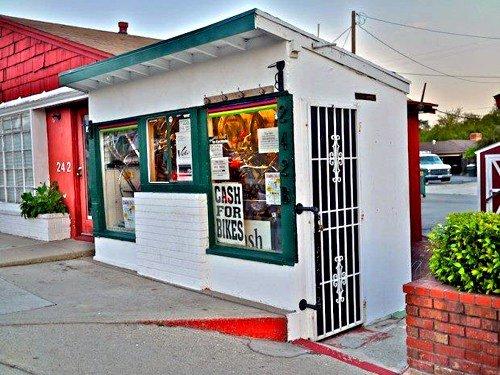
point(353, 31)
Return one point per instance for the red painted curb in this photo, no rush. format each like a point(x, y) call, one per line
point(267, 328)
point(326, 350)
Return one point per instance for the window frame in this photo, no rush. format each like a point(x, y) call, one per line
point(288, 254)
point(197, 185)
point(202, 182)
point(21, 131)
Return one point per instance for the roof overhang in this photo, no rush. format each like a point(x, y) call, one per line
point(245, 31)
point(42, 100)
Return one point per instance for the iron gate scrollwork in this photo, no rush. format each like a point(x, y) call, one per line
point(334, 163)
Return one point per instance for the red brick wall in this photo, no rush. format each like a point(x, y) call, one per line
point(30, 66)
point(450, 332)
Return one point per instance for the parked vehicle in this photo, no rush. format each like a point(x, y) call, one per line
point(433, 167)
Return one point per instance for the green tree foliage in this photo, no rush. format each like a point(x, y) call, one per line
point(458, 125)
point(465, 252)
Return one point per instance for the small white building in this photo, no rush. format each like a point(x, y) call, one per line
point(256, 160)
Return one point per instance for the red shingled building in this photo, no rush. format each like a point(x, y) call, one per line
point(41, 124)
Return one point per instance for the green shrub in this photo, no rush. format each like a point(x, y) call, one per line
point(465, 252)
point(46, 199)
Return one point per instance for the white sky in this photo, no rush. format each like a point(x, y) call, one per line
point(453, 55)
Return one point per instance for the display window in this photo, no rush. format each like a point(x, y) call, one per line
point(169, 148)
point(245, 176)
point(120, 158)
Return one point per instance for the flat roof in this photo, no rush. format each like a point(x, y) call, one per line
point(238, 33)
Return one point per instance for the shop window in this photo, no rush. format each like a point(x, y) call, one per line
point(16, 165)
point(120, 176)
point(169, 149)
point(246, 193)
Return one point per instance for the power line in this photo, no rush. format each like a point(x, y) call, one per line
point(442, 75)
point(346, 37)
point(418, 62)
point(458, 115)
point(342, 33)
point(430, 30)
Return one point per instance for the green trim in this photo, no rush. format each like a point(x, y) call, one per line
point(288, 254)
point(202, 181)
point(120, 128)
point(235, 25)
point(115, 235)
point(243, 110)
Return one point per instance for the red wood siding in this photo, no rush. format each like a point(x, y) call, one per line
point(414, 176)
point(30, 64)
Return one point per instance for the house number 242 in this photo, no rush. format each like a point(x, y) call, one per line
point(63, 166)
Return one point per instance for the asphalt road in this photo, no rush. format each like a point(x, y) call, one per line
point(443, 198)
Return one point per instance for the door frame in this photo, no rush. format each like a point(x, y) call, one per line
point(489, 160)
point(79, 157)
point(311, 273)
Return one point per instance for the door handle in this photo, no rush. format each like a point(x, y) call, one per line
point(79, 171)
point(300, 208)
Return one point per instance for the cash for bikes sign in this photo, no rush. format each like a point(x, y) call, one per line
point(228, 209)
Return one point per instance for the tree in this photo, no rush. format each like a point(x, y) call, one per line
point(459, 125)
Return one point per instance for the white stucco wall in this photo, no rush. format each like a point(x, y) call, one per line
point(385, 247)
point(383, 170)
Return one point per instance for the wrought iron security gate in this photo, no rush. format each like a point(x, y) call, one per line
point(335, 194)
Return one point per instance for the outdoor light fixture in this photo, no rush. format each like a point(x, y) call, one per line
point(88, 126)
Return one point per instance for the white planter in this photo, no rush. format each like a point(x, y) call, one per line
point(47, 227)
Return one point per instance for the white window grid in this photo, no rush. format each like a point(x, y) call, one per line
point(16, 161)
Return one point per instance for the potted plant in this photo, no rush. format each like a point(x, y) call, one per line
point(45, 213)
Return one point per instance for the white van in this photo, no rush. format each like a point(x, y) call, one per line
point(433, 167)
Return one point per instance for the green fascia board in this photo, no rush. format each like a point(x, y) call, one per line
point(234, 25)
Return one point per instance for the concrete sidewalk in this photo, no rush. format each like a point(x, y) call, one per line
point(17, 251)
point(85, 291)
point(82, 317)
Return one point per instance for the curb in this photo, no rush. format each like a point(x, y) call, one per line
point(326, 350)
point(48, 258)
point(264, 328)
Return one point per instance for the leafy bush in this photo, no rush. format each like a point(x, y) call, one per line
point(465, 252)
point(46, 199)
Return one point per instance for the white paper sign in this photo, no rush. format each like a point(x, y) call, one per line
point(216, 150)
point(184, 156)
point(128, 207)
point(228, 210)
point(268, 139)
point(184, 125)
point(219, 168)
point(258, 234)
point(273, 188)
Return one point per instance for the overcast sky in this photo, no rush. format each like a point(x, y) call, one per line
point(449, 54)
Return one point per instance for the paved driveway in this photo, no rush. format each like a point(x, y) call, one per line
point(460, 195)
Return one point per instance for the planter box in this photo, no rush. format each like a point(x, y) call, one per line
point(47, 227)
point(451, 332)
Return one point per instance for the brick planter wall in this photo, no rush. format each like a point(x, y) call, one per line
point(450, 332)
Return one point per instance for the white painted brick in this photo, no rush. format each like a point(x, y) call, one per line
point(48, 227)
point(171, 232)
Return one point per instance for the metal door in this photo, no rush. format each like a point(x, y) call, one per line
point(334, 164)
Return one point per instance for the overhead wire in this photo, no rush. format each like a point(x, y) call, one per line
point(342, 33)
point(454, 75)
point(346, 37)
point(428, 29)
point(418, 62)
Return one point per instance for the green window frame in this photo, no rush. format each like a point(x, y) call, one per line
point(288, 254)
point(202, 182)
